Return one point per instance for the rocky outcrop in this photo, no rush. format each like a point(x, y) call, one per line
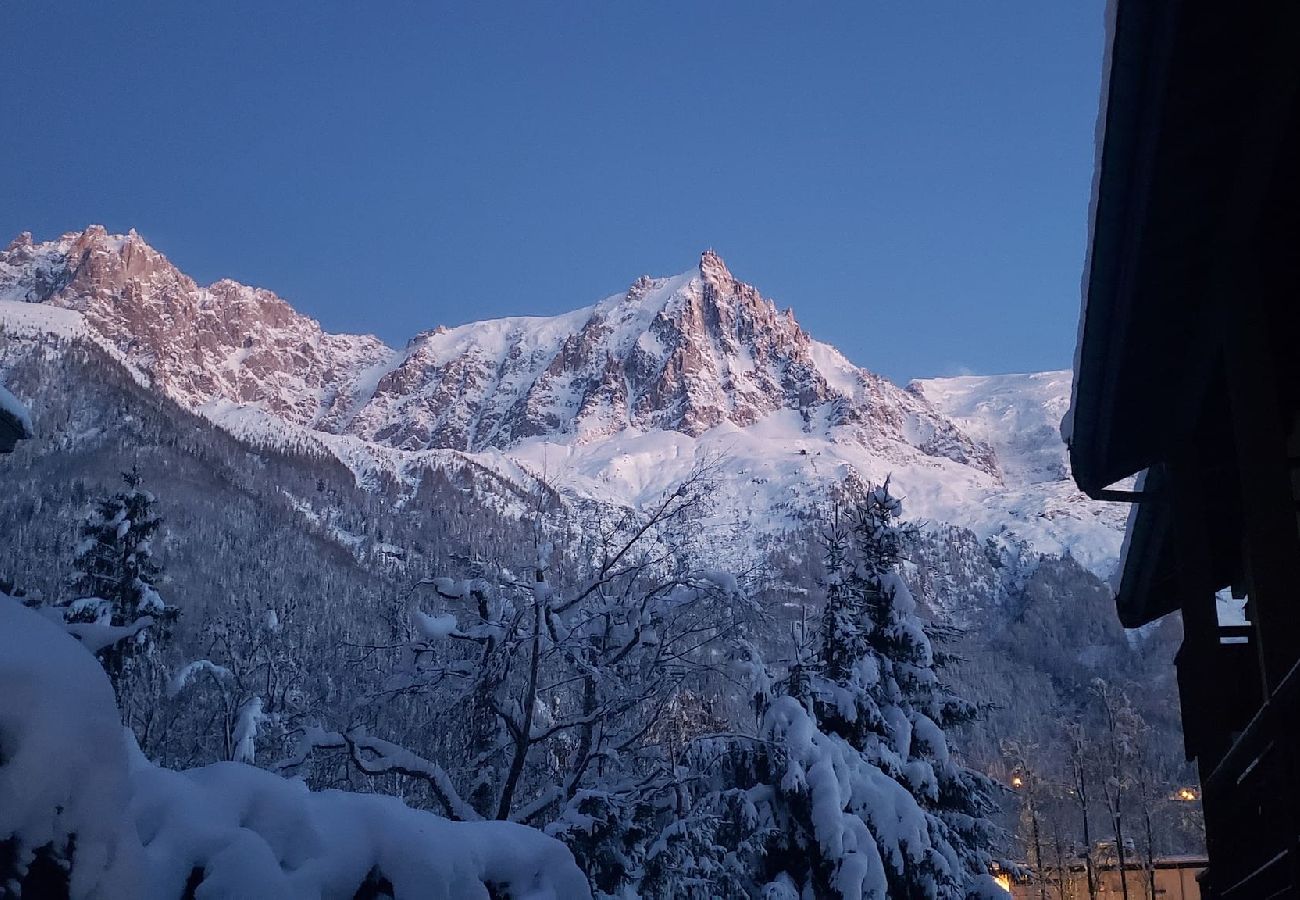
point(224, 342)
point(685, 354)
point(636, 390)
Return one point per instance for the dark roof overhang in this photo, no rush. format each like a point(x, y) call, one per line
point(11, 431)
point(1148, 586)
point(1181, 97)
point(1196, 107)
point(1152, 581)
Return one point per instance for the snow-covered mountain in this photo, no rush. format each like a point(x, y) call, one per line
point(614, 401)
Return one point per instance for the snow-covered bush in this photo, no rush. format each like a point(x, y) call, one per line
point(15, 420)
point(82, 812)
point(63, 765)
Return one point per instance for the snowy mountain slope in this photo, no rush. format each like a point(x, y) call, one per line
point(46, 330)
point(612, 402)
point(685, 354)
point(1019, 417)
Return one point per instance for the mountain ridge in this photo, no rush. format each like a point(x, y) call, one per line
point(613, 400)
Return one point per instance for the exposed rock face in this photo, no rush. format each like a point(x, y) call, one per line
point(682, 354)
point(225, 341)
point(612, 403)
point(679, 354)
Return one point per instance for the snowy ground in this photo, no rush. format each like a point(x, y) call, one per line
point(70, 770)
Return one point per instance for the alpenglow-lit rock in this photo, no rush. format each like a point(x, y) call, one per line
point(611, 402)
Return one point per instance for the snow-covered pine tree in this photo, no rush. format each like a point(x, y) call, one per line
point(115, 589)
point(918, 707)
point(850, 779)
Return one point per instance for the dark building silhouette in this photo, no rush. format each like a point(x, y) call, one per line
point(1188, 370)
point(12, 428)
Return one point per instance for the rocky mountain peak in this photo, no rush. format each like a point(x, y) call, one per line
point(713, 270)
point(640, 287)
point(22, 242)
point(617, 399)
point(684, 354)
point(225, 342)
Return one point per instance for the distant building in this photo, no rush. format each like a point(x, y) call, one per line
point(1175, 878)
point(1188, 375)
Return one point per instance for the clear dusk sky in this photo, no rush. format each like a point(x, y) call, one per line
point(911, 177)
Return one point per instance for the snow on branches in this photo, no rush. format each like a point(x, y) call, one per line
point(118, 612)
point(83, 813)
point(849, 782)
point(564, 668)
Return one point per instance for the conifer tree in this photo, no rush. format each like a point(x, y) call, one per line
point(919, 708)
point(115, 586)
point(850, 779)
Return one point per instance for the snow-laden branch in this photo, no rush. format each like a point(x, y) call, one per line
point(311, 738)
point(374, 756)
point(379, 757)
point(435, 628)
point(193, 670)
point(97, 636)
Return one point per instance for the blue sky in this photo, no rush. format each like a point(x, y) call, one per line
point(912, 178)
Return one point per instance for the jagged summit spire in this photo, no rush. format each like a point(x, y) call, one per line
point(23, 240)
point(713, 269)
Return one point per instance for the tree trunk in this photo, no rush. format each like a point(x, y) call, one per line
point(1119, 849)
point(523, 737)
point(1087, 856)
point(1151, 851)
point(1038, 854)
point(1082, 784)
point(1058, 851)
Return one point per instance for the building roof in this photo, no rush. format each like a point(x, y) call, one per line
point(1186, 112)
point(1168, 133)
point(15, 423)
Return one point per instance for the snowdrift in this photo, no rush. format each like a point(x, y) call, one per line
point(77, 797)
